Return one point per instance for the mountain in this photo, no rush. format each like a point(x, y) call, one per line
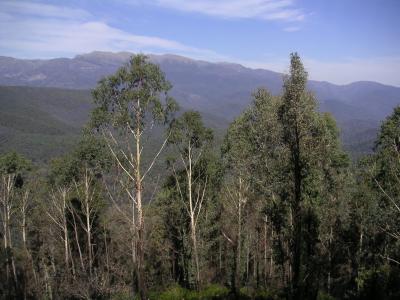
point(220, 91)
point(41, 123)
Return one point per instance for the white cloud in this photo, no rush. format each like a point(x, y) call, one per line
point(283, 10)
point(40, 30)
point(34, 30)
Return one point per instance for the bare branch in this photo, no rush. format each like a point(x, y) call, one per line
point(155, 157)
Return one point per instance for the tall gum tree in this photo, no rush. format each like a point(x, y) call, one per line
point(130, 103)
point(300, 127)
point(191, 138)
point(385, 174)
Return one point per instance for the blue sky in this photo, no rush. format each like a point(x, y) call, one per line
point(340, 41)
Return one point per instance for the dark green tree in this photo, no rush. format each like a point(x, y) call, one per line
point(314, 156)
point(377, 273)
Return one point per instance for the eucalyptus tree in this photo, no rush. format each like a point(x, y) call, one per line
point(335, 185)
point(376, 210)
point(297, 115)
point(254, 155)
point(386, 173)
point(191, 139)
point(91, 159)
point(313, 152)
point(12, 170)
point(383, 177)
point(267, 177)
point(131, 103)
point(236, 158)
point(63, 172)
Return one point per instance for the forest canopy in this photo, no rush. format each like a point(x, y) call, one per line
point(277, 210)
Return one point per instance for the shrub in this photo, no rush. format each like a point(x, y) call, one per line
point(174, 292)
point(213, 292)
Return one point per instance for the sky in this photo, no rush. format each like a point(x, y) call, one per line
point(340, 41)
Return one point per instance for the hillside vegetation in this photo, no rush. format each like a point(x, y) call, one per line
point(220, 91)
point(42, 123)
point(149, 202)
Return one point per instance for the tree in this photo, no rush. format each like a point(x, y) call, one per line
point(12, 170)
point(297, 115)
point(63, 172)
point(267, 155)
point(239, 156)
point(375, 271)
point(130, 102)
point(91, 159)
point(314, 155)
point(386, 171)
point(191, 138)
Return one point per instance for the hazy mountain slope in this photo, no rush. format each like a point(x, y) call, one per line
point(218, 90)
point(222, 88)
point(41, 122)
point(45, 122)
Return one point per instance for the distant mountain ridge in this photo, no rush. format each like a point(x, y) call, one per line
point(219, 90)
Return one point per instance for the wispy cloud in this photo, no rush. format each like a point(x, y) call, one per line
point(36, 9)
point(291, 29)
point(283, 10)
point(35, 30)
point(42, 30)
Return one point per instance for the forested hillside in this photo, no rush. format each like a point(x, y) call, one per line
point(220, 91)
point(149, 201)
point(42, 123)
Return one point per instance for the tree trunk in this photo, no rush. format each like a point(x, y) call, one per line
point(140, 225)
point(297, 217)
point(65, 229)
point(88, 225)
point(192, 218)
point(239, 237)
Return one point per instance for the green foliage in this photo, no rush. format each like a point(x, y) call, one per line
point(324, 296)
point(213, 292)
point(63, 171)
point(90, 153)
point(175, 292)
point(378, 191)
point(284, 214)
point(131, 95)
point(379, 283)
point(41, 123)
point(13, 163)
point(190, 130)
point(258, 294)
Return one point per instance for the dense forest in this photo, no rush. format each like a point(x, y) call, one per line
point(276, 211)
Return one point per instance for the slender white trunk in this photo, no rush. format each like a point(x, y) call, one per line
point(265, 251)
point(78, 243)
point(140, 220)
point(88, 224)
point(65, 227)
point(192, 215)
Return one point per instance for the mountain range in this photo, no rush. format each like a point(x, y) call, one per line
point(45, 101)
